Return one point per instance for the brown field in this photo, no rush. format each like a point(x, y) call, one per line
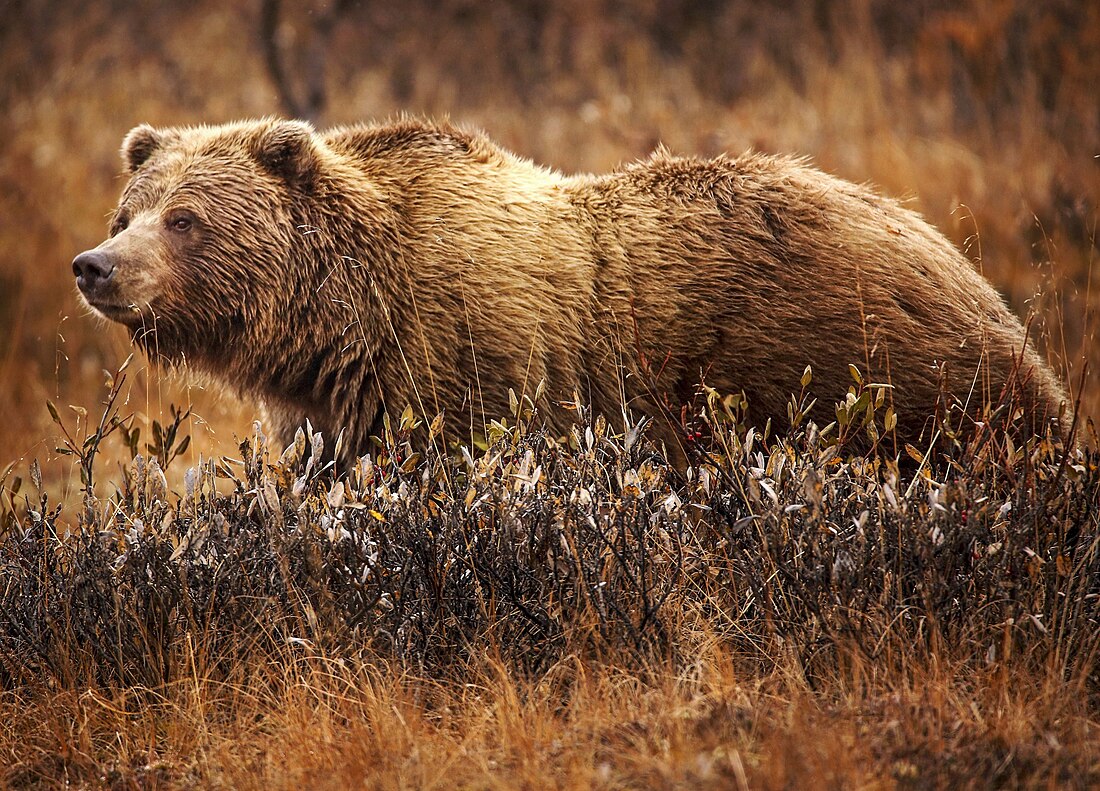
point(983, 114)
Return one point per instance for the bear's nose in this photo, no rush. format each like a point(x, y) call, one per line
point(92, 268)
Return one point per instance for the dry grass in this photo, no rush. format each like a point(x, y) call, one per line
point(983, 113)
point(576, 615)
point(321, 725)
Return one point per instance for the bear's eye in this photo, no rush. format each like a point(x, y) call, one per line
point(181, 223)
point(120, 224)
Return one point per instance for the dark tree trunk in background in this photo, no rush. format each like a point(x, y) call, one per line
point(297, 67)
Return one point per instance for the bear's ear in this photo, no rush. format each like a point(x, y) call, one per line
point(139, 145)
point(286, 149)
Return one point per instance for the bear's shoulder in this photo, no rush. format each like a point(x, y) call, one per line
point(411, 137)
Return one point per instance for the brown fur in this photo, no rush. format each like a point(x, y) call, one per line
point(335, 275)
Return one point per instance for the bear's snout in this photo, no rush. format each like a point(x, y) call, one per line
point(93, 269)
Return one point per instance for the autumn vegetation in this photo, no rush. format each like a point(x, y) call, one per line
point(184, 604)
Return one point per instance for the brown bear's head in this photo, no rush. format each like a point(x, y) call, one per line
point(198, 248)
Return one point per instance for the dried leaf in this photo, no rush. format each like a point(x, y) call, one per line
point(436, 426)
point(36, 475)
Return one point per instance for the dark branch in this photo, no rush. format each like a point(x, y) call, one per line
point(269, 26)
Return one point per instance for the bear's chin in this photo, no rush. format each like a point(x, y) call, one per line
point(167, 349)
point(129, 315)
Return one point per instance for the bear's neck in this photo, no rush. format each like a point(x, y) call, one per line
point(318, 353)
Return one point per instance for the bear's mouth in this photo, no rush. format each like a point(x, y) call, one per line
point(124, 313)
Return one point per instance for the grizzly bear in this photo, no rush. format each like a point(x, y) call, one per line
point(338, 275)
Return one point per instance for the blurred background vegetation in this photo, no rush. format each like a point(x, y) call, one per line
point(982, 114)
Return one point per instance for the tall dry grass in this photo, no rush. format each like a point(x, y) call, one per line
point(561, 615)
point(320, 725)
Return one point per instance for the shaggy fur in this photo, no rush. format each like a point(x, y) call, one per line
point(336, 275)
